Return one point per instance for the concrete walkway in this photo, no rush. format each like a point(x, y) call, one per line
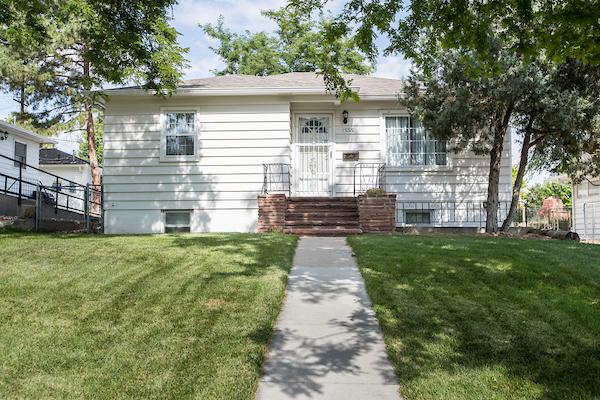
point(327, 343)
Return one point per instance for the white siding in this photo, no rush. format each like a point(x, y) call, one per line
point(463, 181)
point(586, 209)
point(79, 173)
point(236, 136)
point(7, 148)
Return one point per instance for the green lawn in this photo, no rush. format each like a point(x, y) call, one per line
point(487, 318)
point(182, 316)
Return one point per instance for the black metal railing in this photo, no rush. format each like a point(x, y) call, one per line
point(368, 176)
point(439, 213)
point(59, 192)
point(277, 178)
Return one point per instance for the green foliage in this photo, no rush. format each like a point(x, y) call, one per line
point(298, 45)
point(486, 318)
point(77, 46)
point(424, 30)
point(465, 110)
point(566, 120)
point(534, 196)
point(376, 192)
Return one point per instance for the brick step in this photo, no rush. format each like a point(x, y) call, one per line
point(316, 214)
point(322, 199)
point(322, 222)
point(310, 206)
point(323, 231)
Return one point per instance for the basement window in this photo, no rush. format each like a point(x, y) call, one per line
point(417, 217)
point(177, 221)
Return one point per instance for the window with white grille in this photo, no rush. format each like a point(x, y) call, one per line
point(179, 135)
point(410, 144)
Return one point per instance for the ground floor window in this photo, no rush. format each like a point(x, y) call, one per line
point(20, 154)
point(417, 217)
point(177, 221)
point(410, 144)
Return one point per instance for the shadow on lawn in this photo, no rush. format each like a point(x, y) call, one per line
point(454, 305)
point(171, 295)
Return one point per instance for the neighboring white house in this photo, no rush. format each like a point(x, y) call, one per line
point(586, 209)
point(69, 175)
point(197, 157)
point(23, 145)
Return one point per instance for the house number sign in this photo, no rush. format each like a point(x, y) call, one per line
point(351, 156)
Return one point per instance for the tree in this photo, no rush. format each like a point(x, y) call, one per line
point(83, 151)
point(472, 113)
point(559, 122)
point(84, 44)
point(427, 31)
point(298, 45)
point(423, 30)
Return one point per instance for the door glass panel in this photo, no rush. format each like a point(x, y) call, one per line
point(313, 129)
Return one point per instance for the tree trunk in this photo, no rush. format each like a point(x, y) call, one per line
point(91, 142)
point(516, 193)
point(491, 221)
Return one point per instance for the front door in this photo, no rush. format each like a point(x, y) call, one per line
point(312, 154)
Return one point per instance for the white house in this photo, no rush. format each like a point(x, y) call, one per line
point(586, 209)
point(69, 176)
point(19, 145)
point(196, 160)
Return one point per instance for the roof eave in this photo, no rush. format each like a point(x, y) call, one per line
point(24, 133)
point(225, 91)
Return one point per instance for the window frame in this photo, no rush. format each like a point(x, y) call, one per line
point(166, 227)
point(384, 147)
point(163, 134)
point(424, 212)
point(23, 163)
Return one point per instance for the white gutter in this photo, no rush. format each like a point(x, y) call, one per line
point(223, 91)
point(184, 92)
point(24, 133)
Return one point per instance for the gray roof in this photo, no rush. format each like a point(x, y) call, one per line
point(366, 85)
point(56, 157)
point(291, 82)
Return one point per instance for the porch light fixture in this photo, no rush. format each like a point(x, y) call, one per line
point(345, 116)
point(3, 135)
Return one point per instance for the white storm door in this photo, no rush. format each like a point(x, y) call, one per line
point(313, 155)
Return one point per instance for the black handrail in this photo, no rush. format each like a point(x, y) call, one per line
point(23, 165)
point(277, 178)
point(28, 189)
point(370, 176)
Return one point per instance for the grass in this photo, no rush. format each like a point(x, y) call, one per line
point(108, 317)
point(486, 318)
